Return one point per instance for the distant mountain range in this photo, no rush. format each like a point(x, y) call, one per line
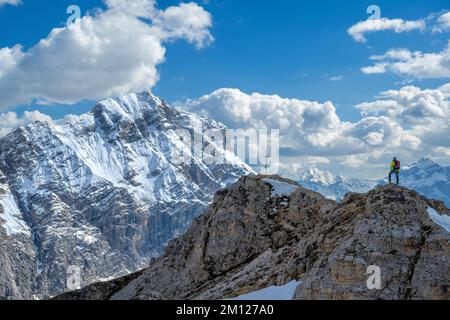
point(333, 187)
point(425, 176)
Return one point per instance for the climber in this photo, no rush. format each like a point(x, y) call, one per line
point(395, 168)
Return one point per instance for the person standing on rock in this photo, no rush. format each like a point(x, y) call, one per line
point(395, 168)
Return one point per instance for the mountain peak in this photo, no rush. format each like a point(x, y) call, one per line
point(110, 170)
point(316, 175)
point(423, 162)
point(130, 106)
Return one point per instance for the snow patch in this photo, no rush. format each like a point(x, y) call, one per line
point(86, 238)
point(14, 223)
point(285, 292)
point(442, 220)
point(281, 188)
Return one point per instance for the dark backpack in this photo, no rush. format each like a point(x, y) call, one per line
point(397, 165)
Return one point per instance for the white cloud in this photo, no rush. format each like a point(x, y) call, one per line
point(434, 23)
point(359, 30)
point(336, 78)
point(317, 121)
point(308, 128)
point(416, 106)
point(376, 108)
point(187, 21)
point(409, 122)
point(354, 161)
point(445, 89)
point(413, 64)
point(315, 160)
point(444, 151)
point(443, 23)
point(11, 2)
point(10, 120)
point(376, 69)
point(108, 53)
point(136, 8)
point(421, 118)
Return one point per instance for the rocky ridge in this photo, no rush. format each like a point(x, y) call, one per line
point(265, 231)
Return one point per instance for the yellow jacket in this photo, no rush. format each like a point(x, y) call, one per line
point(393, 166)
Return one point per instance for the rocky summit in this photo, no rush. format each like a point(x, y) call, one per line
point(267, 231)
point(100, 192)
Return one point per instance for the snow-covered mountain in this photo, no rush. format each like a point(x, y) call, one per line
point(100, 191)
point(333, 187)
point(428, 178)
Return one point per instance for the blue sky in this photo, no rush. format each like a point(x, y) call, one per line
point(293, 49)
point(290, 48)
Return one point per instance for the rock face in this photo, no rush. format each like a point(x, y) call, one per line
point(101, 191)
point(17, 254)
point(265, 231)
point(389, 228)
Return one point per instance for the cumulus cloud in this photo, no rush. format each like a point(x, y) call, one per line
point(420, 117)
point(10, 120)
point(413, 64)
point(242, 110)
point(409, 122)
point(443, 150)
point(187, 21)
point(434, 23)
point(11, 2)
point(443, 23)
point(354, 161)
point(305, 124)
point(376, 108)
point(111, 52)
point(409, 106)
point(359, 30)
point(445, 89)
point(307, 128)
point(136, 8)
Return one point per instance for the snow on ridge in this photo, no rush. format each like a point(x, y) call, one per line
point(281, 188)
point(130, 106)
point(442, 220)
point(285, 292)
